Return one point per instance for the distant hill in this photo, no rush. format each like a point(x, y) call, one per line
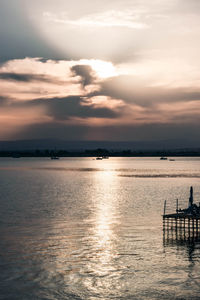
point(84, 145)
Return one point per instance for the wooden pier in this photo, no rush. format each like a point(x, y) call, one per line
point(184, 224)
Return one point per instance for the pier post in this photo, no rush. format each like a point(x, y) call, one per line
point(165, 203)
point(176, 205)
point(163, 225)
point(196, 228)
point(184, 227)
point(181, 228)
point(193, 227)
point(189, 227)
point(167, 226)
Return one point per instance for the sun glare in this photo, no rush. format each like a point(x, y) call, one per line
point(104, 69)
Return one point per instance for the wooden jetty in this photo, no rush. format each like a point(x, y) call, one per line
point(185, 223)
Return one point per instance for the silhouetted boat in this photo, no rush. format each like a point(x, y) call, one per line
point(16, 156)
point(163, 158)
point(99, 158)
point(55, 157)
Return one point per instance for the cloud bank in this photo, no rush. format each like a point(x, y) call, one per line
point(48, 95)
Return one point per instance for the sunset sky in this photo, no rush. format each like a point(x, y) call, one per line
point(126, 70)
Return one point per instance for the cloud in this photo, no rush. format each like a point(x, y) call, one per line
point(43, 78)
point(133, 91)
point(155, 43)
point(23, 77)
point(110, 18)
point(18, 35)
point(3, 101)
point(36, 91)
point(74, 106)
point(85, 72)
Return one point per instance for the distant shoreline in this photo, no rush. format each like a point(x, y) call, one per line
point(99, 153)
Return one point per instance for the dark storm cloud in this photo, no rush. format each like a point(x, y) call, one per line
point(72, 106)
point(85, 72)
point(18, 36)
point(24, 77)
point(3, 101)
point(131, 91)
point(63, 108)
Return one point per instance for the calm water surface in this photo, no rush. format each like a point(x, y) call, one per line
point(78, 228)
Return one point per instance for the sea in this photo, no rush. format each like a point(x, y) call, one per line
point(87, 229)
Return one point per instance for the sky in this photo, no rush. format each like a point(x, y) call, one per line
point(117, 70)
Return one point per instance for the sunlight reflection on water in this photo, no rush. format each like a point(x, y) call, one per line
point(93, 234)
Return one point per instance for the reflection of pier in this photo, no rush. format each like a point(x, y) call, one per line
point(184, 224)
point(180, 244)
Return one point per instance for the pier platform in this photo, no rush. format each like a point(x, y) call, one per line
point(184, 223)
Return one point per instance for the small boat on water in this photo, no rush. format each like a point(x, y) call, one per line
point(163, 158)
point(55, 157)
point(99, 158)
point(16, 156)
